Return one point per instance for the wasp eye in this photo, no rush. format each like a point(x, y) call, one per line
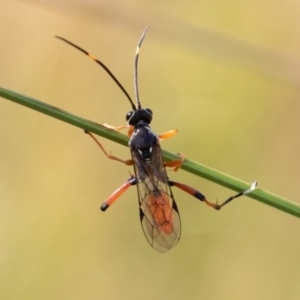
point(129, 115)
point(149, 111)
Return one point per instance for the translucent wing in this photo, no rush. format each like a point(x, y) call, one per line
point(158, 211)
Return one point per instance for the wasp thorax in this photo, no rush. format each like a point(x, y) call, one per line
point(142, 141)
point(143, 114)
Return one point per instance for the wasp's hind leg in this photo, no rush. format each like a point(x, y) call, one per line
point(201, 197)
point(116, 194)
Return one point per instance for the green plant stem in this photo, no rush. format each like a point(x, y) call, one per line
point(188, 165)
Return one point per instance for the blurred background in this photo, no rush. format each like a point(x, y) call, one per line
point(226, 74)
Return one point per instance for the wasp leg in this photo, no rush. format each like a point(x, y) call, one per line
point(176, 163)
point(116, 128)
point(201, 197)
point(119, 128)
point(126, 162)
point(167, 134)
point(116, 194)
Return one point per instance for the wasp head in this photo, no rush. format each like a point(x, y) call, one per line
point(141, 115)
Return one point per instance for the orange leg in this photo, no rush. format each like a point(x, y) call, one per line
point(176, 163)
point(126, 162)
point(201, 197)
point(116, 128)
point(119, 128)
point(167, 134)
point(116, 194)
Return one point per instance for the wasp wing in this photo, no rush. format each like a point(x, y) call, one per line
point(159, 214)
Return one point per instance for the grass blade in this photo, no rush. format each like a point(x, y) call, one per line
point(188, 165)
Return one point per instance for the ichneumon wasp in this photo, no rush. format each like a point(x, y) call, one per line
point(159, 214)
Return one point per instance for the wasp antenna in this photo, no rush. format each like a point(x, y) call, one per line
point(138, 103)
point(103, 66)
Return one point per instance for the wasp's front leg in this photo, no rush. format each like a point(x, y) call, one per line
point(126, 162)
point(119, 128)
